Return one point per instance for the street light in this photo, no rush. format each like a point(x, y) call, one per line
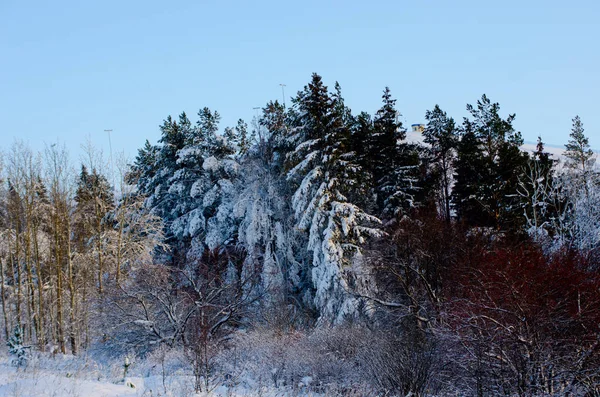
point(112, 170)
point(283, 93)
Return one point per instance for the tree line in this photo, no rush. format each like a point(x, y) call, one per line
point(464, 249)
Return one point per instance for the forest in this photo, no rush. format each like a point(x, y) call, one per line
point(316, 250)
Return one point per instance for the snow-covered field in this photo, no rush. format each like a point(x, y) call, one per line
point(80, 377)
point(54, 383)
point(36, 381)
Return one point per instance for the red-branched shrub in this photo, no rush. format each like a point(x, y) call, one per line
point(526, 323)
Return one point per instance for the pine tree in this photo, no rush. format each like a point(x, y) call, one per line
point(172, 139)
point(578, 153)
point(238, 137)
point(469, 175)
point(207, 127)
point(580, 158)
point(275, 143)
point(582, 193)
point(511, 165)
point(186, 130)
point(488, 168)
point(442, 136)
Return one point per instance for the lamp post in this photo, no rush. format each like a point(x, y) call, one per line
point(112, 170)
point(283, 93)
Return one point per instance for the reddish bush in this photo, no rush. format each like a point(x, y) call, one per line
point(527, 323)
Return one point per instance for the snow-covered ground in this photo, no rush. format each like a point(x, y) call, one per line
point(43, 382)
point(79, 377)
point(55, 383)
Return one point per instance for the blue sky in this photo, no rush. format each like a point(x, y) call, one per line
point(71, 69)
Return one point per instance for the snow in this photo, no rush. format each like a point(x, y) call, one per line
point(42, 383)
point(303, 164)
point(196, 222)
point(211, 164)
point(191, 151)
point(72, 377)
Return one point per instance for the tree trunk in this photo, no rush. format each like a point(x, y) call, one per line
point(16, 279)
point(73, 323)
point(6, 331)
point(59, 306)
point(32, 318)
point(40, 291)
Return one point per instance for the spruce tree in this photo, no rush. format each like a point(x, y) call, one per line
point(144, 168)
point(361, 141)
point(93, 187)
point(393, 161)
point(155, 180)
point(409, 188)
point(541, 155)
point(17, 348)
point(323, 171)
point(387, 132)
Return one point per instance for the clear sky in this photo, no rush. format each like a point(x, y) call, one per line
point(71, 69)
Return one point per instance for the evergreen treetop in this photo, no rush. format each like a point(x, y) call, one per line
point(578, 152)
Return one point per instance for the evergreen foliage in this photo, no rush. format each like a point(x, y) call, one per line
point(442, 136)
point(389, 158)
point(324, 171)
point(426, 250)
point(578, 151)
point(17, 348)
point(488, 166)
